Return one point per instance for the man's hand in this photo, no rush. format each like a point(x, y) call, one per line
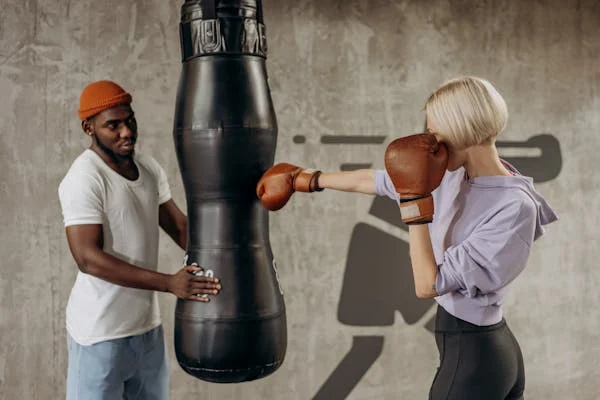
point(186, 285)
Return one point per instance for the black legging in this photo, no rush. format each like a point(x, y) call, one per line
point(476, 362)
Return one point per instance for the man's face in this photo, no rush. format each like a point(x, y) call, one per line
point(115, 131)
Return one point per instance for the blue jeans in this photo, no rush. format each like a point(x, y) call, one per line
point(133, 367)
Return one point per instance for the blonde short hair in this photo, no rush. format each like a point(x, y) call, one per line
point(467, 110)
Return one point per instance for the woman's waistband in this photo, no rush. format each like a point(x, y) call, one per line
point(446, 322)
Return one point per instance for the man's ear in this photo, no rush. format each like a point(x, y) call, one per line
point(86, 125)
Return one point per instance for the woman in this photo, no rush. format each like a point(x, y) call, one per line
point(476, 243)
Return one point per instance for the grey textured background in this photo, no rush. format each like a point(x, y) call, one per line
point(335, 67)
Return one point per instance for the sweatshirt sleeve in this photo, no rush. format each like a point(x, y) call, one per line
point(384, 185)
point(492, 256)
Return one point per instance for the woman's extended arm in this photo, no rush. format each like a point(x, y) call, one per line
point(359, 181)
point(278, 183)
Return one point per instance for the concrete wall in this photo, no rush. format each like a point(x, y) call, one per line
point(336, 68)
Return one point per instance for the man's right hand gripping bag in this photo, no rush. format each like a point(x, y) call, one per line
point(225, 134)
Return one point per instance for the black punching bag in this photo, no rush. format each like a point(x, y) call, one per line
point(225, 134)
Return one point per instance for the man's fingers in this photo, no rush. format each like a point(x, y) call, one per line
point(193, 268)
point(204, 284)
point(203, 293)
point(196, 297)
point(204, 279)
point(205, 290)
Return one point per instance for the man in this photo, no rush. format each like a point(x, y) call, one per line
point(113, 201)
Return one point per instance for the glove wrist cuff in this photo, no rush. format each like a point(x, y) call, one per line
point(315, 182)
point(307, 181)
point(409, 199)
point(417, 210)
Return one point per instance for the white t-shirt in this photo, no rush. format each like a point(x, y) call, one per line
point(93, 193)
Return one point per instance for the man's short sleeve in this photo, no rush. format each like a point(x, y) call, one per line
point(81, 199)
point(164, 190)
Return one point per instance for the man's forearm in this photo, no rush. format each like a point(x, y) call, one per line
point(173, 222)
point(424, 267)
point(112, 269)
point(182, 238)
point(360, 181)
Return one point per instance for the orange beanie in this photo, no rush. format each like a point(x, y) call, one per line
point(99, 96)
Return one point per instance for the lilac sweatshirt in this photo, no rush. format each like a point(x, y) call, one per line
point(481, 233)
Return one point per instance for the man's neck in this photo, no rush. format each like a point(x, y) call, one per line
point(123, 165)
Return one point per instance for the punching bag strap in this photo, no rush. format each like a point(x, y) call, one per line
point(207, 29)
point(209, 10)
point(210, 28)
point(259, 12)
point(262, 34)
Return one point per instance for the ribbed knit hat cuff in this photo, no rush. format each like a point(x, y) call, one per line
point(104, 104)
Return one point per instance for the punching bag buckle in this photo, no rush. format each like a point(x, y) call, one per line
point(210, 39)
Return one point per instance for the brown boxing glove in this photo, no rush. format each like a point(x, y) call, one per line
point(279, 182)
point(416, 164)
